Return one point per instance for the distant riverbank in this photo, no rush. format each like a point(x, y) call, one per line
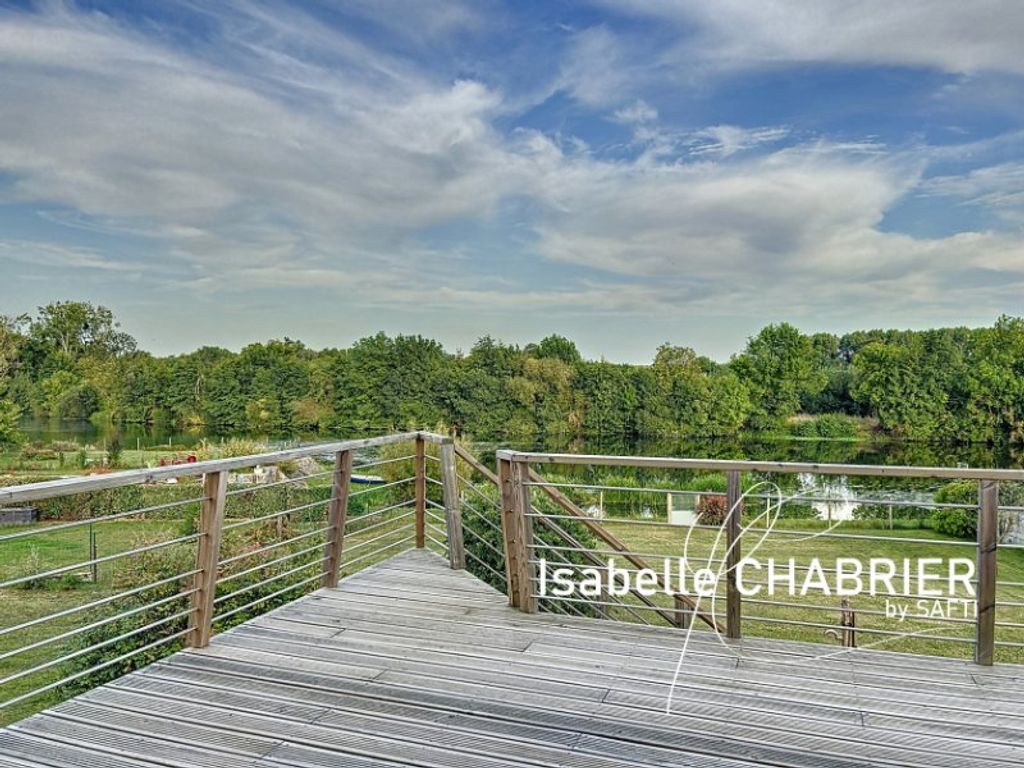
point(748, 446)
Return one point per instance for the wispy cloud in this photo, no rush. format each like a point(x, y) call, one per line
point(284, 150)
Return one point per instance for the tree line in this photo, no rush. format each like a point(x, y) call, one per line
point(72, 360)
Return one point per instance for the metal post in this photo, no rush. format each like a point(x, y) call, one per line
point(337, 514)
point(94, 567)
point(733, 614)
point(452, 508)
point(211, 524)
point(988, 541)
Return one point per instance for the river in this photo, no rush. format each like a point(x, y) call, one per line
point(743, 447)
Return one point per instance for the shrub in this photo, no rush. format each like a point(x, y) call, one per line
point(828, 426)
point(961, 523)
point(712, 509)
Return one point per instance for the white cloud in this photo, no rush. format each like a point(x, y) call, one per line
point(638, 112)
point(291, 155)
point(949, 35)
point(726, 140)
point(999, 188)
point(597, 71)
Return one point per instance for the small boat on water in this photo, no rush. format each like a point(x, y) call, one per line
point(367, 479)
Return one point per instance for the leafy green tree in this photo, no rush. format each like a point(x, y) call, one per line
point(557, 347)
point(74, 329)
point(779, 368)
point(10, 434)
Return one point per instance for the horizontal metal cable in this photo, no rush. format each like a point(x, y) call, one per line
point(254, 487)
point(607, 603)
point(271, 596)
point(433, 515)
point(96, 603)
point(478, 492)
point(500, 576)
point(434, 482)
point(858, 611)
point(623, 521)
point(96, 647)
point(922, 635)
point(270, 580)
point(484, 541)
point(864, 537)
point(263, 566)
point(389, 521)
point(274, 515)
point(437, 530)
point(363, 544)
point(386, 547)
point(434, 504)
point(101, 519)
point(97, 624)
point(70, 486)
point(382, 462)
point(493, 526)
point(381, 511)
point(381, 487)
point(794, 499)
point(98, 560)
point(91, 670)
point(276, 545)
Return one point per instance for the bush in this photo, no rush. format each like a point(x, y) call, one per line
point(828, 426)
point(880, 512)
point(712, 509)
point(961, 523)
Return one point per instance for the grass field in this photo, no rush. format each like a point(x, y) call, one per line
point(764, 616)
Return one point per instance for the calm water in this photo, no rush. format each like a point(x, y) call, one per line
point(879, 452)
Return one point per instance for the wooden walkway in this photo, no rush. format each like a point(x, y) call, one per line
point(411, 664)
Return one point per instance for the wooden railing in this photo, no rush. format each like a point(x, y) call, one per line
point(310, 545)
point(521, 482)
point(247, 548)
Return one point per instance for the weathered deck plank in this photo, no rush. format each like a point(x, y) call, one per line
point(409, 663)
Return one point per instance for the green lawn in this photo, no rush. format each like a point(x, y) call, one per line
point(662, 541)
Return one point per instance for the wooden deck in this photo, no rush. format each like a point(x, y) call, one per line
point(411, 664)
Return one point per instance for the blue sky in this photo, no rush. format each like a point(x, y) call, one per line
point(625, 173)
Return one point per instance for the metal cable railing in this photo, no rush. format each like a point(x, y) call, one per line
point(727, 515)
point(158, 573)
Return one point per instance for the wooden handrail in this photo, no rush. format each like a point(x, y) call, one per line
point(787, 467)
point(71, 485)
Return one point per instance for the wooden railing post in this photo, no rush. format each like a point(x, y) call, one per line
point(517, 532)
point(733, 613)
point(421, 492)
point(452, 507)
point(521, 495)
point(211, 525)
point(683, 613)
point(988, 542)
point(337, 514)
